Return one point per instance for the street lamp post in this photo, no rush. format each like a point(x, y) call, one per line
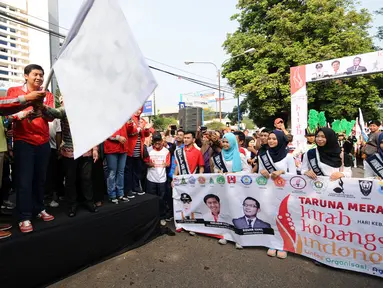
point(248, 51)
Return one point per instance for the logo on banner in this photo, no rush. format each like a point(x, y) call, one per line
point(298, 182)
point(183, 181)
point(246, 180)
point(339, 191)
point(380, 187)
point(192, 180)
point(176, 181)
point(221, 180)
point(280, 182)
point(231, 179)
point(201, 180)
point(211, 181)
point(319, 185)
point(261, 180)
point(365, 187)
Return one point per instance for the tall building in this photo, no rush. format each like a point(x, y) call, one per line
point(21, 44)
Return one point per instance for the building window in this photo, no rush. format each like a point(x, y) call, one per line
point(3, 72)
point(3, 42)
point(3, 27)
point(13, 45)
point(12, 30)
point(3, 57)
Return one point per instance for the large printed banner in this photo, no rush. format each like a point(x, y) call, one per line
point(337, 223)
point(350, 66)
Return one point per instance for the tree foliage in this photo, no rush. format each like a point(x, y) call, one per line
point(233, 116)
point(215, 125)
point(162, 123)
point(296, 32)
point(380, 28)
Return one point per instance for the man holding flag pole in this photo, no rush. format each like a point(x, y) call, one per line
point(99, 69)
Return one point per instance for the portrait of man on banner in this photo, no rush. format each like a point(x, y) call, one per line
point(251, 206)
point(186, 213)
point(213, 202)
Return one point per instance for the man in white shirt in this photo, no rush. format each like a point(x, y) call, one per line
point(214, 204)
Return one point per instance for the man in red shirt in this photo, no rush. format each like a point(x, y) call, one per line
point(31, 151)
point(189, 158)
point(137, 132)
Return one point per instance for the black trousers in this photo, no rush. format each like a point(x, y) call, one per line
point(99, 182)
point(169, 197)
point(82, 166)
point(158, 189)
point(55, 176)
point(6, 183)
point(133, 174)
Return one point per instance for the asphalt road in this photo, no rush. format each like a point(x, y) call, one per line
point(187, 261)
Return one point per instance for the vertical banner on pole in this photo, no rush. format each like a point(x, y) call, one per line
point(298, 103)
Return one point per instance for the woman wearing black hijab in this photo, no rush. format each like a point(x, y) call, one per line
point(274, 159)
point(326, 159)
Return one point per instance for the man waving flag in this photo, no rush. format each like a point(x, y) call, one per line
point(102, 74)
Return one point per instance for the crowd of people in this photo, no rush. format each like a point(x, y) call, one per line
point(37, 162)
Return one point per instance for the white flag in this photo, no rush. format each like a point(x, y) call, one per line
point(102, 74)
point(362, 125)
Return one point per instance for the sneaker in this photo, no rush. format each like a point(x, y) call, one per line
point(130, 196)
point(26, 226)
point(281, 254)
point(222, 241)
point(134, 193)
point(141, 193)
point(163, 223)
point(123, 199)
point(45, 216)
point(5, 234)
point(237, 246)
point(272, 252)
point(53, 204)
point(9, 204)
point(114, 201)
point(4, 227)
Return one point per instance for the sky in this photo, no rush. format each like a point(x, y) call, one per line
point(174, 31)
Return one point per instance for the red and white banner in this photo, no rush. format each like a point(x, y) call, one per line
point(337, 223)
point(351, 66)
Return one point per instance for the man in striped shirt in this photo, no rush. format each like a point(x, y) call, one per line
point(71, 165)
point(137, 132)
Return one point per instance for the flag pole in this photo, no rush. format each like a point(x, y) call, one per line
point(49, 78)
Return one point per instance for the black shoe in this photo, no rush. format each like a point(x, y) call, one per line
point(92, 208)
point(169, 232)
point(169, 219)
point(72, 212)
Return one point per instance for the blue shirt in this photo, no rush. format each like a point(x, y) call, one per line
point(173, 166)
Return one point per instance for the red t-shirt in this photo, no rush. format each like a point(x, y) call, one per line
point(35, 132)
point(194, 158)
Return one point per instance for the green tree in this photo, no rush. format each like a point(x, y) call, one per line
point(380, 28)
point(289, 33)
point(209, 114)
point(233, 116)
point(161, 123)
point(215, 125)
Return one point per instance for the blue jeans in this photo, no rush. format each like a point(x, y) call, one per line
point(115, 181)
point(31, 163)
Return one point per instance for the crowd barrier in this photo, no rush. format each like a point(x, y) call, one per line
point(338, 223)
